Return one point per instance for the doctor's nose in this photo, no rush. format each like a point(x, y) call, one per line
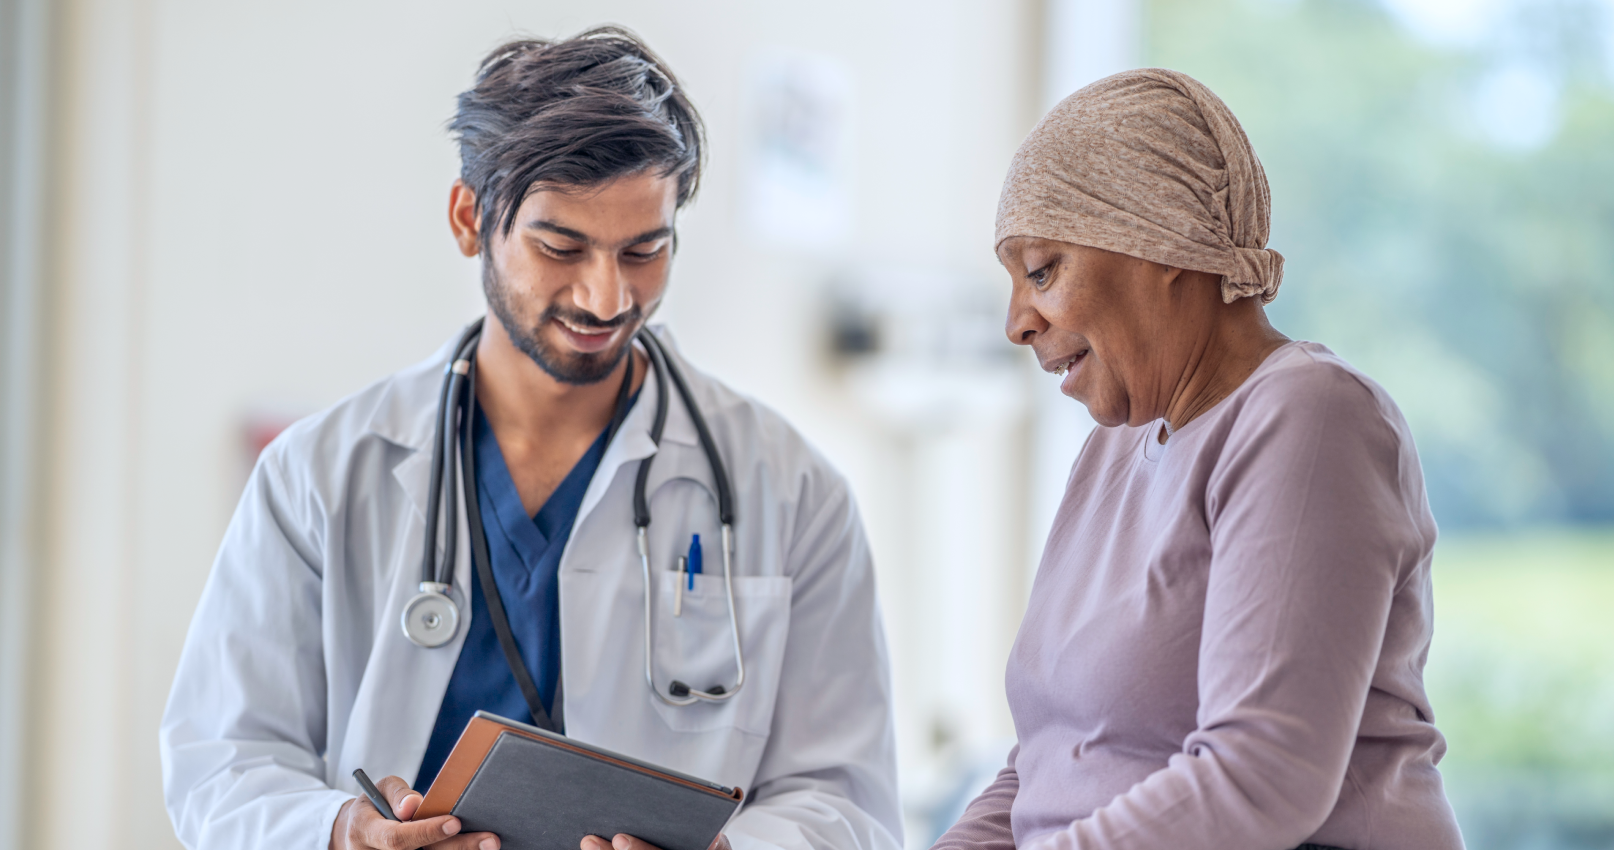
point(603, 291)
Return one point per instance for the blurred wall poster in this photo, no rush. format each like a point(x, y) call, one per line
point(798, 190)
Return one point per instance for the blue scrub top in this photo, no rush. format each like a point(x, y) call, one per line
point(525, 555)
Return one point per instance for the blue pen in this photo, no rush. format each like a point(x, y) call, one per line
point(694, 560)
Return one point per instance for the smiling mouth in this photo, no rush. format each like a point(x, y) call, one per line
point(1064, 366)
point(587, 331)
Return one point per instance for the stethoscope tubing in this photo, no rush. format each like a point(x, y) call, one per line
point(436, 573)
point(433, 571)
point(662, 366)
point(694, 695)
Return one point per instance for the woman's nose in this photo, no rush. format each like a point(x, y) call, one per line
point(1023, 322)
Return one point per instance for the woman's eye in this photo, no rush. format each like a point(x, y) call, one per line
point(643, 256)
point(1039, 277)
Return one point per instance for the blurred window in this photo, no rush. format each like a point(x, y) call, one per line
point(1442, 175)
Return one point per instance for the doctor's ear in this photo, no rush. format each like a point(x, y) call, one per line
point(464, 218)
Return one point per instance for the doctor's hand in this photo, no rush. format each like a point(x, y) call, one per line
point(359, 826)
point(628, 842)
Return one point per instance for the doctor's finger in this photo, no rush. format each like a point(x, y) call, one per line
point(383, 834)
point(469, 841)
point(623, 841)
point(403, 799)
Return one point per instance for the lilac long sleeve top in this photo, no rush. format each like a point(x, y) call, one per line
point(1225, 642)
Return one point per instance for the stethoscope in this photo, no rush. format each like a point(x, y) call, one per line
point(431, 618)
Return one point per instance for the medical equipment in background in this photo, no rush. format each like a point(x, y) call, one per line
point(431, 618)
point(921, 354)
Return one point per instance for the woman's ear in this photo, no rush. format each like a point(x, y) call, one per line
point(464, 218)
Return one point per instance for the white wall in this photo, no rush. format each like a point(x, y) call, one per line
point(251, 203)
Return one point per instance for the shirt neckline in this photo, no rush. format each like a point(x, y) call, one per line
point(528, 533)
point(1154, 450)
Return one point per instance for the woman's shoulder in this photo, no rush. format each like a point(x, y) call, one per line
point(1308, 363)
point(1307, 379)
point(1304, 397)
point(1308, 427)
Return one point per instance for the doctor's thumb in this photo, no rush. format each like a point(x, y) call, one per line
point(405, 801)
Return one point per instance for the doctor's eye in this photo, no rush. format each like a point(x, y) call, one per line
point(559, 253)
point(643, 256)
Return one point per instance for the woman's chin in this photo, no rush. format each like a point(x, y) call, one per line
point(1105, 415)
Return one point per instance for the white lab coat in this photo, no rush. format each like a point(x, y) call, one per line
point(295, 670)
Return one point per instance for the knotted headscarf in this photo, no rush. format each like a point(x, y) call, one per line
point(1152, 164)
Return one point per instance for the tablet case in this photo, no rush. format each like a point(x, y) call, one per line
point(540, 791)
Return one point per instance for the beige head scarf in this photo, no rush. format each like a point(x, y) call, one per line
point(1151, 164)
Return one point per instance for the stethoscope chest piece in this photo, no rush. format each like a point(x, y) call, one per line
point(430, 619)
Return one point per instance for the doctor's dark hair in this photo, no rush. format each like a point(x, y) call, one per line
point(572, 114)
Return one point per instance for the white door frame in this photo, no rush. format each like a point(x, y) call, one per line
point(26, 36)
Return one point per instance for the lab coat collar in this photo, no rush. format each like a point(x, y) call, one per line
point(632, 441)
point(406, 415)
point(406, 412)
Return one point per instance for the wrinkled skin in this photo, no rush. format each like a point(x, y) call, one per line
point(1142, 341)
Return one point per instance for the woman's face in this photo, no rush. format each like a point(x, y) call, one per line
point(1121, 328)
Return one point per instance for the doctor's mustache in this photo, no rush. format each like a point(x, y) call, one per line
point(585, 319)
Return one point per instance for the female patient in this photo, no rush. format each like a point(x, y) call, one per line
point(1226, 639)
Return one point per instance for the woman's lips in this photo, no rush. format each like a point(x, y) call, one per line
point(587, 340)
point(1070, 362)
point(1069, 370)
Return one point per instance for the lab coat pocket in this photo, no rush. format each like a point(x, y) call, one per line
point(694, 644)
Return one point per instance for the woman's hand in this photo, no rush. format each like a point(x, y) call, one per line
point(359, 826)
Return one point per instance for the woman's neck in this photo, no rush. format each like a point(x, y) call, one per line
point(1240, 340)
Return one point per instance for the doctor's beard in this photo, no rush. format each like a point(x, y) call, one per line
point(567, 367)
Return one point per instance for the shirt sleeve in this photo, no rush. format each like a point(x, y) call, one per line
point(243, 736)
point(985, 823)
point(827, 778)
point(1311, 534)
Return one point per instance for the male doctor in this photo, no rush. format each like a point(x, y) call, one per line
point(576, 156)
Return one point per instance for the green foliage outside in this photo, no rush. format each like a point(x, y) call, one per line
point(1474, 280)
point(1521, 676)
